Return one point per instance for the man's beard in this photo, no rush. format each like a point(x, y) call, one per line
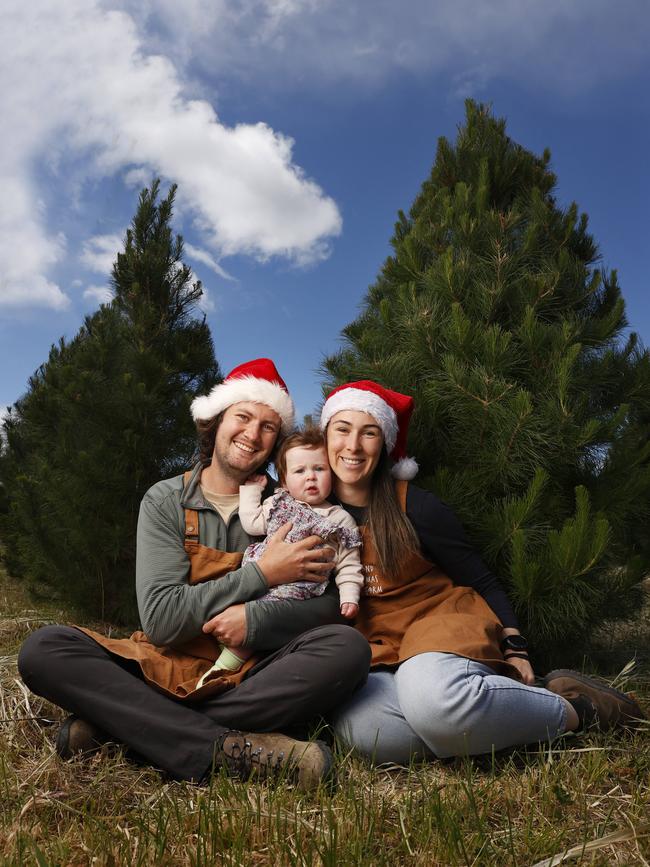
point(236, 474)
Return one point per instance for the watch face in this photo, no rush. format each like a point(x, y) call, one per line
point(516, 642)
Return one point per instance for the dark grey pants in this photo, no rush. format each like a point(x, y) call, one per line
point(307, 677)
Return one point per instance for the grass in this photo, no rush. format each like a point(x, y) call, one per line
point(586, 801)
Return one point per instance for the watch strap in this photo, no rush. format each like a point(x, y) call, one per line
point(516, 642)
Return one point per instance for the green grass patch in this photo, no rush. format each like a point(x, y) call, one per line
point(587, 799)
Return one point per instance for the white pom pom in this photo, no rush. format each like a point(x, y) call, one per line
point(405, 468)
point(200, 408)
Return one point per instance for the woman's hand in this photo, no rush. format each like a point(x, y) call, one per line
point(524, 668)
point(517, 655)
point(283, 562)
point(229, 627)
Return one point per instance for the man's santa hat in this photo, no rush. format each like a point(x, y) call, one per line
point(257, 381)
point(390, 409)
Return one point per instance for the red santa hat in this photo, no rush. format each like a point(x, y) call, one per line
point(257, 381)
point(390, 409)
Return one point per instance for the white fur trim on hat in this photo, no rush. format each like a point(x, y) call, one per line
point(243, 388)
point(363, 401)
point(405, 468)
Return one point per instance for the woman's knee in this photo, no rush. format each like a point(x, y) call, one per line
point(441, 710)
point(446, 734)
point(442, 724)
point(381, 742)
point(371, 722)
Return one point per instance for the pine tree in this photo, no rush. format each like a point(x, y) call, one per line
point(103, 419)
point(531, 410)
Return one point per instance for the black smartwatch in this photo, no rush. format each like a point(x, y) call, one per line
point(514, 642)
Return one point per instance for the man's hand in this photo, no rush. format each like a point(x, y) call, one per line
point(258, 479)
point(229, 627)
point(283, 562)
point(524, 668)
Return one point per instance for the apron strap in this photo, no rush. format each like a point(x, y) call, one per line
point(191, 516)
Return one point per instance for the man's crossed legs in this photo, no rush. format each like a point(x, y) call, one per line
point(306, 678)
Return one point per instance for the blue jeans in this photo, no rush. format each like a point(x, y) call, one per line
point(441, 705)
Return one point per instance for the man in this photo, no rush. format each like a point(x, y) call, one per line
point(192, 590)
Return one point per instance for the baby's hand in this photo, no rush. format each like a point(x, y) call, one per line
point(349, 610)
point(258, 479)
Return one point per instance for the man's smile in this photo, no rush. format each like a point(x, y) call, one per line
point(244, 447)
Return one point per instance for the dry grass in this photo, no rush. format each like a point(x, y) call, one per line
point(588, 800)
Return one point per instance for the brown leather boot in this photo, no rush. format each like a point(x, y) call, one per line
point(597, 705)
point(78, 738)
point(246, 755)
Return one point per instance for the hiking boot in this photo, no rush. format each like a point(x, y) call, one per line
point(245, 755)
point(597, 705)
point(78, 738)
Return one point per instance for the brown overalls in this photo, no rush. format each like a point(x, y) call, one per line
point(421, 610)
point(175, 671)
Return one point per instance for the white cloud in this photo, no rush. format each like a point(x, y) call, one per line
point(553, 43)
point(78, 86)
point(100, 294)
point(100, 251)
point(26, 251)
point(138, 177)
point(205, 258)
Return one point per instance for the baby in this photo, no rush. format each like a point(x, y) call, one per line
point(306, 482)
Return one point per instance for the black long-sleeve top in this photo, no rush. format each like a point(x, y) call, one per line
point(444, 541)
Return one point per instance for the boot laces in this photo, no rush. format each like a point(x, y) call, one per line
point(244, 759)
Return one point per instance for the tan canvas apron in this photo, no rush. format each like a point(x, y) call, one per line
point(421, 609)
point(175, 671)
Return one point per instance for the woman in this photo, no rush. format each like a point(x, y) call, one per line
point(450, 671)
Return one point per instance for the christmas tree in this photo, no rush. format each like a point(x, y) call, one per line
point(103, 419)
point(531, 409)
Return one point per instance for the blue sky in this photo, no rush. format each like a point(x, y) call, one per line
point(295, 129)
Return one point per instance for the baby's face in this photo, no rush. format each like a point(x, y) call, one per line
point(308, 476)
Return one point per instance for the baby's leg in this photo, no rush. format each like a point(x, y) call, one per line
point(230, 659)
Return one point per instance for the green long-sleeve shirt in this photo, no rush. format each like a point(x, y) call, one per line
point(172, 610)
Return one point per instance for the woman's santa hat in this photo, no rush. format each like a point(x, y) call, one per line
point(390, 409)
point(257, 381)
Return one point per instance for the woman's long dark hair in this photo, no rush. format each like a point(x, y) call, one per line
point(391, 531)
